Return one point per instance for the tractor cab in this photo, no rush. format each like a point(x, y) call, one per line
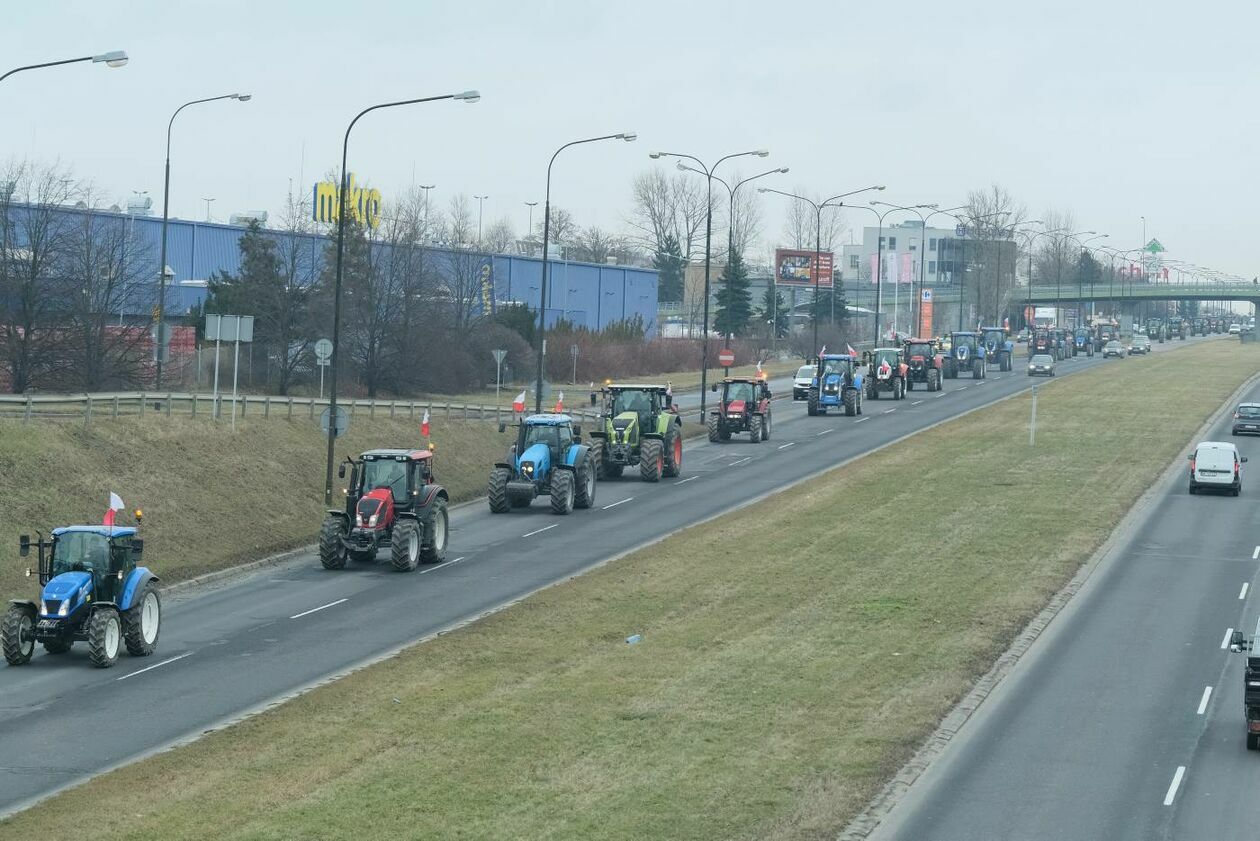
point(541, 441)
point(994, 339)
point(631, 408)
point(82, 563)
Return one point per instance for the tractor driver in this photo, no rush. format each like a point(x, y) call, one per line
point(390, 475)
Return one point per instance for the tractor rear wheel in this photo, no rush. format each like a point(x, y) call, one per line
point(58, 646)
point(332, 552)
point(899, 388)
point(977, 369)
point(404, 546)
point(584, 491)
point(850, 402)
point(1006, 361)
point(104, 637)
point(143, 623)
point(497, 492)
point(934, 380)
point(673, 453)
point(811, 407)
point(765, 427)
point(711, 425)
point(754, 429)
point(652, 458)
point(17, 634)
point(561, 492)
point(437, 528)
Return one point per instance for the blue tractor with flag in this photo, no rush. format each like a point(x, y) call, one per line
point(966, 353)
point(999, 350)
point(549, 458)
point(837, 383)
point(94, 591)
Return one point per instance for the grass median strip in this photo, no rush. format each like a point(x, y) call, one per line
point(793, 654)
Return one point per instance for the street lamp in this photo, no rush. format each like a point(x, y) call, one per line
point(529, 230)
point(342, 194)
point(114, 58)
point(166, 206)
point(627, 136)
point(1032, 237)
point(915, 209)
point(730, 219)
point(481, 201)
point(816, 272)
point(708, 250)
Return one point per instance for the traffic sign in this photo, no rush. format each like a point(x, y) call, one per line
point(498, 356)
point(343, 421)
point(323, 350)
point(726, 357)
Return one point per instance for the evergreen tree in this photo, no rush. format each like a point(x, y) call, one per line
point(670, 264)
point(822, 307)
point(734, 301)
point(774, 308)
point(520, 318)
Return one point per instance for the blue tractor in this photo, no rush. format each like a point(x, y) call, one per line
point(94, 591)
point(966, 353)
point(548, 459)
point(1082, 341)
point(999, 350)
point(836, 383)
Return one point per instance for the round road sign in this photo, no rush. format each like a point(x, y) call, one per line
point(343, 421)
point(323, 350)
point(726, 357)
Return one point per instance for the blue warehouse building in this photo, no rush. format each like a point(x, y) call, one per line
point(587, 294)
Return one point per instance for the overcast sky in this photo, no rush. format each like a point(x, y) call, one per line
point(1114, 110)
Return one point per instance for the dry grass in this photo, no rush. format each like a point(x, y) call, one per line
point(774, 690)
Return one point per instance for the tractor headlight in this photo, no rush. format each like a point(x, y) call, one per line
point(527, 467)
point(64, 610)
point(372, 521)
point(43, 607)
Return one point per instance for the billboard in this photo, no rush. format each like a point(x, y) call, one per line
point(795, 267)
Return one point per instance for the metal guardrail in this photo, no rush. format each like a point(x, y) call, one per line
point(85, 407)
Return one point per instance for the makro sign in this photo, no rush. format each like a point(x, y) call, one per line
point(363, 203)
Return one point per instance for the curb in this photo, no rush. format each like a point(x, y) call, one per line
point(869, 819)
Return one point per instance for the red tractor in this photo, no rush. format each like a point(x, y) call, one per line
point(924, 364)
point(744, 407)
point(888, 372)
point(391, 500)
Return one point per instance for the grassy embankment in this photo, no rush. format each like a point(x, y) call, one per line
point(775, 689)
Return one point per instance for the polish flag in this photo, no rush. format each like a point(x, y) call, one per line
point(560, 402)
point(115, 504)
point(424, 424)
point(518, 402)
point(822, 352)
point(852, 352)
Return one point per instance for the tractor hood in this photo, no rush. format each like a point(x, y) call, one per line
point(736, 407)
point(537, 455)
point(378, 503)
point(66, 585)
point(625, 427)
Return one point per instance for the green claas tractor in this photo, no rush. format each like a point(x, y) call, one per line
point(94, 591)
point(639, 426)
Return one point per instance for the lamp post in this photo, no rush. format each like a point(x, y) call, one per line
point(1032, 237)
point(816, 271)
point(879, 256)
point(159, 344)
point(1080, 281)
point(426, 188)
point(342, 194)
point(481, 201)
point(917, 303)
point(627, 136)
point(730, 219)
point(915, 209)
point(529, 229)
point(114, 58)
point(708, 250)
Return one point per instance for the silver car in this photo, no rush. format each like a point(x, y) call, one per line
point(1041, 365)
point(1139, 344)
point(1114, 348)
point(802, 381)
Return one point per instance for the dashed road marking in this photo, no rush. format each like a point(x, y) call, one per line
point(825, 431)
point(743, 460)
point(318, 609)
point(1176, 783)
point(1203, 702)
point(1256, 553)
point(1225, 640)
point(154, 666)
point(889, 411)
point(618, 502)
point(916, 403)
point(446, 565)
point(1242, 594)
point(688, 479)
point(789, 444)
point(541, 530)
point(963, 387)
point(859, 420)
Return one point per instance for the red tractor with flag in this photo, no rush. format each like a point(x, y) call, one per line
point(924, 364)
point(392, 500)
point(887, 373)
point(743, 407)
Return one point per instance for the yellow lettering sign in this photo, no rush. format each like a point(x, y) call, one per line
point(362, 203)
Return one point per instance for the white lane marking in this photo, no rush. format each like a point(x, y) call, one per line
point(889, 411)
point(317, 609)
point(444, 565)
point(916, 403)
point(789, 444)
point(688, 479)
point(741, 461)
point(859, 420)
point(963, 387)
point(154, 666)
point(1256, 553)
point(541, 530)
point(1203, 702)
point(1225, 639)
point(618, 502)
point(1242, 594)
point(942, 394)
point(825, 431)
point(997, 378)
point(1176, 783)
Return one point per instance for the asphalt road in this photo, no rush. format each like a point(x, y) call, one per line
point(1124, 720)
point(247, 642)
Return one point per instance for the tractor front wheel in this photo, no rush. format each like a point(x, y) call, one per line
point(850, 402)
point(17, 634)
point(977, 369)
point(332, 552)
point(561, 492)
point(142, 623)
point(811, 408)
point(404, 546)
point(652, 458)
point(711, 424)
point(765, 427)
point(497, 492)
point(673, 454)
point(437, 527)
point(934, 380)
point(754, 429)
point(104, 637)
point(584, 492)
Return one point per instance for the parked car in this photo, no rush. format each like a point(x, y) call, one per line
point(1041, 365)
point(801, 382)
point(1114, 348)
point(1216, 464)
point(1139, 344)
point(1235, 329)
point(1247, 419)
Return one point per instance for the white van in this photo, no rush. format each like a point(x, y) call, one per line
point(1216, 464)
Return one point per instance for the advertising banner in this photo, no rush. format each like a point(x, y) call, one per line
point(795, 267)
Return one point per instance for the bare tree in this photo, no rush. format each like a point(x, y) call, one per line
point(666, 206)
point(742, 217)
point(991, 215)
point(500, 237)
point(593, 245)
point(801, 229)
point(461, 223)
point(562, 227)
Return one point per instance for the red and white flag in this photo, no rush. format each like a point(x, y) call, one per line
point(518, 402)
point(560, 402)
point(822, 352)
point(852, 352)
point(115, 504)
point(424, 424)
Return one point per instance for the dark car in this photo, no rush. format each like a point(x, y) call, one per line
point(1247, 419)
point(1041, 365)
